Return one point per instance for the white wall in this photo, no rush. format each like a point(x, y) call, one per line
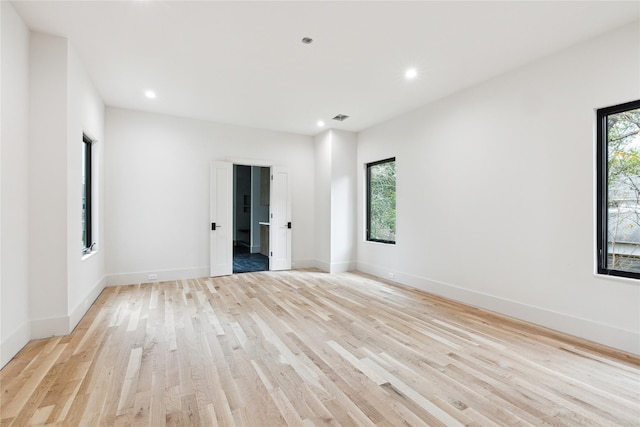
point(335, 159)
point(48, 101)
point(322, 147)
point(14, 184)
point(48, 184)
point(63, 105)
point(495, 193)
point(343, 201)
point(157, 190)
point(86, 275)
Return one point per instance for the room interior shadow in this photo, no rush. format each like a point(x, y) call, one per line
point(250, 214)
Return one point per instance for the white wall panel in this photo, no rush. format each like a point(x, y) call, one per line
point(14, 184)
point(495, 193)
point(157, 189)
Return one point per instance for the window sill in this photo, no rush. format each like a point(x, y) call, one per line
point(614, 278)
point(380, 243)
point(87, 255)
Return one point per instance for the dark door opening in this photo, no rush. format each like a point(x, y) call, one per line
point(250, 218)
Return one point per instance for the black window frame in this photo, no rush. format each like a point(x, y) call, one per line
point(87, 241)
point(602, 192)
point(368, 202)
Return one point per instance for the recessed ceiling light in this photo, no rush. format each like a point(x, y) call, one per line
point(411, 73)
point(341, 117)
point(320, 123)
point(307, 40)
point(150, 94)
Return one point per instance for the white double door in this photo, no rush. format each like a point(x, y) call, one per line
point(221, 218)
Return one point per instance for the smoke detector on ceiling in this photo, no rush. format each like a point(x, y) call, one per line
point(341, 117)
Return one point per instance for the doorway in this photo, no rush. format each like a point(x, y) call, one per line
point(251, 198)
point(221, 206)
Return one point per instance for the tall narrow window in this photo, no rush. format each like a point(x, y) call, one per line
point(381, 201)
point(618, 193)
point(87, 242)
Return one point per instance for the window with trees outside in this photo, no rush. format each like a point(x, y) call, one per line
point(381, 201)
point(618, 192)
point(87, 243)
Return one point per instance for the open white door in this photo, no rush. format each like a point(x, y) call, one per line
point(221, 212)
point(280, 220)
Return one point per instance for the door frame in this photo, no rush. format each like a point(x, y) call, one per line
point(233, 161)
point(242, 161)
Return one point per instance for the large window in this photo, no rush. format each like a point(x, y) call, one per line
point(618, 193)
point(87, 242)
point(381, 201)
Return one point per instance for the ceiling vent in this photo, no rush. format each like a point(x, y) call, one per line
point(341, 117)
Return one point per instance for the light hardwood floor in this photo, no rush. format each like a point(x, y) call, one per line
point(309, 348)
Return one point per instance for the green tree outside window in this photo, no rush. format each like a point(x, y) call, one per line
point(381, 201)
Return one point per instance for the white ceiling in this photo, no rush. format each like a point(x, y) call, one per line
point(243, 62)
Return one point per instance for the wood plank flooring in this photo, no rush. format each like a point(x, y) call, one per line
point(306, 348)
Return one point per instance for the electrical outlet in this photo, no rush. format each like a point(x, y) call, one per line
point(153, 276)
point(391, 275)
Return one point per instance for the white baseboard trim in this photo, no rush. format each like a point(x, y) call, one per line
point(334, 267)
point(321, 265)
point(162, 276)
point(331, 267)
point(610, 336)
point(50, 327)
point(190, 273)
point(342, 267)
point(11, 345)
point(81, 309)
point(297, 264)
